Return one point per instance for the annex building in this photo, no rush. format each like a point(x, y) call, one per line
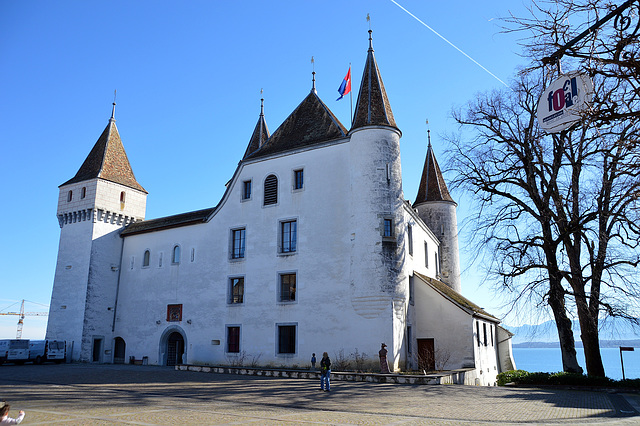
point(312, 248)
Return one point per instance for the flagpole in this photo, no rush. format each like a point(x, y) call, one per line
point(351, 98)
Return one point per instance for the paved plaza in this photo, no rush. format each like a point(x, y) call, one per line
point(83, 394)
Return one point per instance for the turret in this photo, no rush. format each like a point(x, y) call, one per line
point(438, 210)
point(377, 219)
point(93, 206)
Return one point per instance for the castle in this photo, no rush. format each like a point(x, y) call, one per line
point(312, 248)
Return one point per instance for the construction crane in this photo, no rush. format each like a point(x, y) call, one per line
point(21, 316)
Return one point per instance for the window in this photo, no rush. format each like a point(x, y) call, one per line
point(409, 337)
point(270, 190)
point(411, 288)
point(286, 339)
point(237, 243)
point(146, 258)
point(160, 259)
point(193, 255)
point(426, 255)
point(83, 192)
point(410, 239)
point(478, 332)
point(298, 179)
point(491, 332)
point(233, 339)
point(236, 290)
point(69, 196)
point(288, 236)
point(246, 190)
point(437, 265)
point(484, 331)
point(123, 196)
point(287, 287)
point(388, 228)
point(174, 313)
point(175, 258)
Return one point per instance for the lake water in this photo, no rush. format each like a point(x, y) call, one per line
point(550, 360)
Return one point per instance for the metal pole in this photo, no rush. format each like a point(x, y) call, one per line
point(622, 364)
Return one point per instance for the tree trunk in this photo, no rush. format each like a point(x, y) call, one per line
point(565, 331)
point(590, 340)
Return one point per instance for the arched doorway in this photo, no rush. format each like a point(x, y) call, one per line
point(119, 350)
point(175, 348)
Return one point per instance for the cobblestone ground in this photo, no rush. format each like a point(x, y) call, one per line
point(81, 394)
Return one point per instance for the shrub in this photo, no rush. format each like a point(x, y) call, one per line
point(511, 376)
point(562, 379)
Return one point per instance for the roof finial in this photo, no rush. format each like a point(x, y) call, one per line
point(313, 75)
point(261, 103)
point(370, 40)
point(113, 109)
point(428, 135)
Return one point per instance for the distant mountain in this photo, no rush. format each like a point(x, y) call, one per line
point(613, 330)
point(603, 344)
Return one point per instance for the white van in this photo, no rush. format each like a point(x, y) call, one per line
point(47, 350)
point(14, 350)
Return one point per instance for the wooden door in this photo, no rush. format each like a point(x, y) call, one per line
point(426, 355)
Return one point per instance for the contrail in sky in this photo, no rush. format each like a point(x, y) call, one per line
point(452, 45)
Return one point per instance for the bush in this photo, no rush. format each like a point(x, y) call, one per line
point(562, 379)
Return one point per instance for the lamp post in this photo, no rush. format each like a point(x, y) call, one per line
point(624, 349)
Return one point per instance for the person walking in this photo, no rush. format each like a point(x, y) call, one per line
point(6, 420)
point(325, 373)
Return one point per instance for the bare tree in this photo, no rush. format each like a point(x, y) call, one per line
point(560, 211)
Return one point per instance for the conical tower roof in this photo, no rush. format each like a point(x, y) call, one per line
point(108, 160)
point(260, 133)
point(310, 123)
point(372, 106)
point(432, 185)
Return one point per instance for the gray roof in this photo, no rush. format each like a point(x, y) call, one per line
point(372, 106)
point(454, 296)
point(107, 160)
point(432, 184)
point(183, 219)
point(309, 124)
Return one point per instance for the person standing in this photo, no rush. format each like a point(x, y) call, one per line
point(325, 373)
point(384, 366)
point(6, 420)
point(313, 361)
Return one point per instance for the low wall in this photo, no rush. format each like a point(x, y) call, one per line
point(462, 376)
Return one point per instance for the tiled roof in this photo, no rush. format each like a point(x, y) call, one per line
point(310, 123)
point(372, 106)
point(183, 219)
point(259, 136)
point(107, 160)
point(432, 185)
point(454, 296)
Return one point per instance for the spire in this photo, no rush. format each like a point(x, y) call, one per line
point(260, 132)
point(108, 160)
point(113, 110)
point(313, 76)
point(432, 185)
point(372, 106)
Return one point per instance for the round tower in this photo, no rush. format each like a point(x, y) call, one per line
point(93, 207)
point(378, 279)
point(438, 210)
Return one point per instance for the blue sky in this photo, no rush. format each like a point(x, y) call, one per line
point(188, 77)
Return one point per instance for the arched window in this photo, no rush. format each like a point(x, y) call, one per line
point(122, 198)
point(83, 193)
point(69, 196)
point(175, 258)
point(146, 258)
point(271, 190)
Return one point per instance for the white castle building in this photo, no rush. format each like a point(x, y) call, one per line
point(312, 248)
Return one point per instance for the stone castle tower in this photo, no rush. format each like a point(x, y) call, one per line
point(93, 207)
point(438, 210)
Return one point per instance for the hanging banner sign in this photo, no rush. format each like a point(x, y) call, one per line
point(563, 102)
